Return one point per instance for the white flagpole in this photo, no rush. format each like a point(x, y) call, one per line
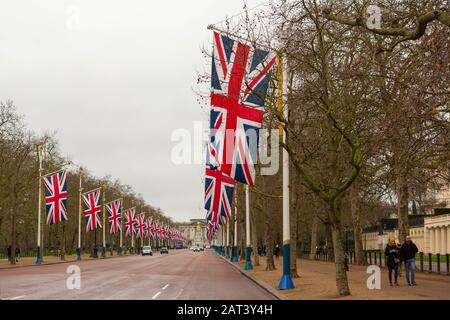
point(286, 280)
point(228, 241)
point(40, 147)
point(121, 226)
point(234, 250)
point(80, 190)
point(248, 260)
point(104, 226)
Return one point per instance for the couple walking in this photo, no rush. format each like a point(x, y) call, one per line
point(396, 254)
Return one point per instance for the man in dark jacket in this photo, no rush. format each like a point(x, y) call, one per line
point(408, 253)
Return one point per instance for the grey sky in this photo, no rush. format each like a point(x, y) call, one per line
point(115, 88)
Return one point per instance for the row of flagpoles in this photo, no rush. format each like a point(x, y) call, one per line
point(239, 82)
point(95, 212)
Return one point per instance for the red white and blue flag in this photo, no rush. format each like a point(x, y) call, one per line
point(239, 83)
point(148, 229)
point(130, 221)
point(218, 194)
point(92, 209)
point(140, 224)
point(56, 196)
point(114, 214)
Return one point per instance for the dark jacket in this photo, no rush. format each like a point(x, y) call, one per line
point(392, 253)
point(408, 251)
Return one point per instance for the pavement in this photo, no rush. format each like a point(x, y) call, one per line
point(181, 274)
point(317, 281)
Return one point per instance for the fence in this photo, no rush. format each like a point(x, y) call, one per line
point(424, 262)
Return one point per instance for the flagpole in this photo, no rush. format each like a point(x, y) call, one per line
point(80, 190)
point(121, 226)
point(234, 250)
point(248, 249)
point(286, 280)
point(132, 232)
point(228, 241)
point(104, 229)
point(40, 146)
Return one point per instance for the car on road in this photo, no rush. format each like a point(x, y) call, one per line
point(195, 248)
point(208, 246)
point(147, 250)
point(164, 250)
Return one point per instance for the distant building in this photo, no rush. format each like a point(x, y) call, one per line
point(194, 231)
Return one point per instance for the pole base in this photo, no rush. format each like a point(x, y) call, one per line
point(103, 252)
point(234, 253)
point(227, 256)
point(39, 261)
point(248, 265)
point(78, 254)
point(286, 282)
point(119, 251)
point(38, 256)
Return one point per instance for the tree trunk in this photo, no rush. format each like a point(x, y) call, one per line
point(270, 264)
point(402, 207)
point(63, 242)
point(313, 244)
point(294, 239)
point(357, 229)
point(338, 248)
point(254, 234)
point(13, 237)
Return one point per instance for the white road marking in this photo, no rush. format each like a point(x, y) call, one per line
point(165, 287)
point(156, 295)
point(179, 294)
point(13, 298)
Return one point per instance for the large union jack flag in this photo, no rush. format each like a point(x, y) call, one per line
point(130, 221)
point(239, 83)
point(114, 214)
point(148, 229)
point(218, 194)
point(56, 197)
point(92, 209)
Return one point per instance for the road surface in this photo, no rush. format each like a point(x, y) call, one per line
point(181, 274)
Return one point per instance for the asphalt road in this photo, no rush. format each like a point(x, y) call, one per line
point(181, 274)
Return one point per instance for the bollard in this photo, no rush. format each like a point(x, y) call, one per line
point(421, 261)
point(430, 266)
point(438, 255)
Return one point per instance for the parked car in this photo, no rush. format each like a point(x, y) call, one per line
point(147, 250)
point(164, 250)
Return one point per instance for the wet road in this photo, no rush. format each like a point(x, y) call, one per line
point(181, 274)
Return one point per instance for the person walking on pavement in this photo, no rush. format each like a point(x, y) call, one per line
point(17, 254)
point(277, 251)
point(9, 249)
point(408, 253)
point(392, 253)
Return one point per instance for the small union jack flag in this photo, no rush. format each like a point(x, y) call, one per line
point(148, 229)
point(114, 214)
point(130, 221)
point(92, 209)
point(140, 224)
point(56, 197)
point(239, 83)
point(218, 194)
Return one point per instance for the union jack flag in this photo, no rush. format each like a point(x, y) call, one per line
point(92, 209)
point(140, 224)
point(130, 221)
point(148, 229)
point(218, 194)
point(56, 197)
point(239, 83)
point(157, 230)
point(211, 230)
point(114, 214)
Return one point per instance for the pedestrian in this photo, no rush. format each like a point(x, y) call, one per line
point(392, 252)
point(9, 249)
point(408, 253)
point(277, 251)
point(17, 254)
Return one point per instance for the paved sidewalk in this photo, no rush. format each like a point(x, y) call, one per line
point(318, 281)
point(31, 261)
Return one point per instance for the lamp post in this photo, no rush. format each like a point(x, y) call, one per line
point(40, 149)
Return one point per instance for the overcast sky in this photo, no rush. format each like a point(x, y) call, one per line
point(114, 79)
